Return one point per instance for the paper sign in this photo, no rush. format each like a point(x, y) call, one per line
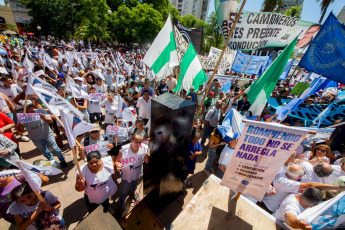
point(101, 147)
point(115, 130)
point(96, 96)
point(28, 117)
point(259, 154)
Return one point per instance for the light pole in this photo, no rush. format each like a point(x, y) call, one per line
point(109, 12)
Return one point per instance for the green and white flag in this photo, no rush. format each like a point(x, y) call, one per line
point(192, 74)
point(262, 88)
point(162, 55)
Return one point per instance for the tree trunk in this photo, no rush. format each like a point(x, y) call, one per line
point(323, 14)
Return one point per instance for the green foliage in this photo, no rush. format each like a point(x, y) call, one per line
point(294, 11)
point(212, 34)
point(11, 27)
point(141, 23)
point(270, 5)
point(191, 21)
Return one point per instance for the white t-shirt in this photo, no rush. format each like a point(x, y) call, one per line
point(289, 205)
point(26, 211)
point(284, 187)
point(144, 108)
point(171, 83)
point(226, 155)
point(99, 186)
point(309, 175)
point(11, 93)
point(132, 163)
point(110, 110)
point(99, 89)
point(199, 97)
point(3, 106)
point(93, 106)
point(337, 172)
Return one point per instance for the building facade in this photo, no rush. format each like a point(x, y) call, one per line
point(20, 13)
point(6, 15)
point(198, 8)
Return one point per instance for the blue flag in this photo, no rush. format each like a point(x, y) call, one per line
point(244, 63)
point(326, 53)
point(282, 112)
point(286, 70)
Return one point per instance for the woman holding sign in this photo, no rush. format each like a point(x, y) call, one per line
point(98, 181)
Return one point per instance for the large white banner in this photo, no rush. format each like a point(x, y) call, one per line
point(256, 30)
point(259, 154)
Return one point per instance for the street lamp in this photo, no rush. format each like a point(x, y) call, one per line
point(39, 28)
point(109, 12)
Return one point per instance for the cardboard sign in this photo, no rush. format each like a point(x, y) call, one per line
point(96, 96)
point(101, 147)
point(28, 117)
point(260, 152)
point(115, 130)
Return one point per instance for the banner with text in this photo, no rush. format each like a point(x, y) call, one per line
point(259, 154)
point(256, 30)
point(249, 64)
point(28, 117)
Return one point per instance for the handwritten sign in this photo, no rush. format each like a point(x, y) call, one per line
point(115, 130)
point(259, 154)
point(96, 96)
point(101, 147)
point(28, 117)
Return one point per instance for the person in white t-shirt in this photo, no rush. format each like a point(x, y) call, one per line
point(111, 107)
point(98, 181)
point(144, 106)
point(337, 172)
point(295, 204)
point(94, 108)
point(286, 183)
point(100, 86)
point(130, 161)
point(171, 83)
point(227, 153)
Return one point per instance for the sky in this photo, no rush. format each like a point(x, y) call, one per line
point(311, 10)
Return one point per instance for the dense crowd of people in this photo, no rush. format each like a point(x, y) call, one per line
point(119, 73)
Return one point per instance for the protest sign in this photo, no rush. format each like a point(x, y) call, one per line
point(299, 88)
point(256, 30)
point(96, 96)
point(115, 130)
point(101, 147)
point(259, 154)
point(210, 62)
point(28, 117)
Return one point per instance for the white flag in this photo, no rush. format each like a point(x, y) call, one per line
point(44, 170)
point(28, 64)
point(34, 183)
point(128, 115)
point(76, 93)
point(54, 102)
point(74, 127)
point(39, 83)
point(120, 105)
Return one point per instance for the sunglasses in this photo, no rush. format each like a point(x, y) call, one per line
point(138, 142)
point(96, 131)
point(321, 150)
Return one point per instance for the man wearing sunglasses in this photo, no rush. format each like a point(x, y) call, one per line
point(94, 137)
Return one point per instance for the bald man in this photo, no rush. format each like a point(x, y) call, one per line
point(316, 172)
point(286, 184)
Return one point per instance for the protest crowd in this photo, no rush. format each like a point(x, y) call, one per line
point(101, 95)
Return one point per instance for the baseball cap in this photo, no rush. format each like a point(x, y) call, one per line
point(192, 87)
point(61, 75)
point(212, 93)
point(79, 79)
point(96, 128)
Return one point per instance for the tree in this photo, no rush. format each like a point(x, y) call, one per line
point(270, 5)
point(191, 21)
point(57, 18)
point(294, 11)
point(141, 23)
point(324, 6)
point(212, 33)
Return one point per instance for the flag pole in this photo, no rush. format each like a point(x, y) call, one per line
point(219, 61)
point(25, 102)
point(76, 161)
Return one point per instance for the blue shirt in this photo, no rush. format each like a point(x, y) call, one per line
point(193, 95)
point(151, 91)
point(191, 150)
